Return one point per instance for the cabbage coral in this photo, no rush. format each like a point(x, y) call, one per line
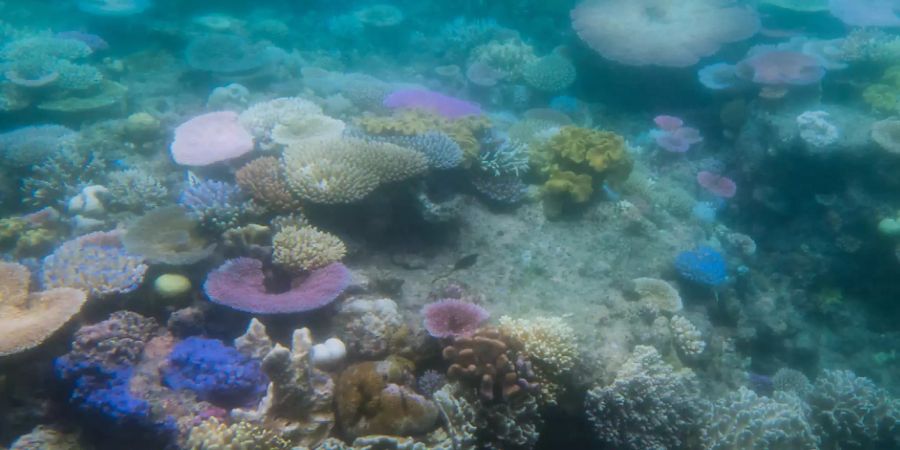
point(669, 33)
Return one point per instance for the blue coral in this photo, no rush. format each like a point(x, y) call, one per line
point(702, 265)
point(215, 372)
point(216, 204)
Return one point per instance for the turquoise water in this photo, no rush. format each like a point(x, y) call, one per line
point(607, 224)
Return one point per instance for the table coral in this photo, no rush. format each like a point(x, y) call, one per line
point(347, 170)
point(28, 319)
point(167, 235)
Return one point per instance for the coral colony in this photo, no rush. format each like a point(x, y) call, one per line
point(408, 225)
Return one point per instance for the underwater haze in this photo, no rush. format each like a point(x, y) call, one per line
point(450, 225)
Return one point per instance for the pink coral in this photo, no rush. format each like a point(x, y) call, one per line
point(718, 185)
point(435, 102)
point(673, 136)
point(210, 138)
point(453, 318)
point(780, 68)
point(661, 32)
point(240, 284)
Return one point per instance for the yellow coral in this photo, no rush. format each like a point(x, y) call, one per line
point(549, 343)
point(600, 149)
point(213, 434)
point(305, 248)
point(263, 180)
point(464, 131)
point(564, 182)
point(27, 320)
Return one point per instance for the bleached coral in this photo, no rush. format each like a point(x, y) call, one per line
point(744, 420)
point(261, 119)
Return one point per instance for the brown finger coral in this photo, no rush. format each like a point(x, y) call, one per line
point(263, 180)
point(484, 360)
point(298, 249)
point(27, 320)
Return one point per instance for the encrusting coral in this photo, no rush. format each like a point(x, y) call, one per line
point(28, 319)
point(299, 249)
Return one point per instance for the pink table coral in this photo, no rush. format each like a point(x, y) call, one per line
point(210, 138)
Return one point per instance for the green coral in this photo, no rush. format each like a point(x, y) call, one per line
point(884, 96)
point(576, 159)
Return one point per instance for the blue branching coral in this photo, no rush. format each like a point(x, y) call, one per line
point(702, 265)
point(215, 372)
point(216, 204)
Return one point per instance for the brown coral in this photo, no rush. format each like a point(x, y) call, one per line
point(375, 398)
point(485, 361)
point(27, 320)
point(263, 180)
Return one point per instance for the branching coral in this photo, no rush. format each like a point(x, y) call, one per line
point(31, 145)
point(747, 421)
point(347, 170)
point(465, 131)
point(263, 180)
point(26, 320)
point(61, 176)
point(485, 362)
point(550, 344)
point(96, 263)
point(687, 337)
point(850, 412)
point(135, 190)
point(649, 405)
point(299, 249)
point(214, 434)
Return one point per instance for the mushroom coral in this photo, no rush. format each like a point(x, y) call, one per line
point(27, 320)
point(666, 33)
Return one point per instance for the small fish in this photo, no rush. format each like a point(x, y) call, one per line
point(463, 263)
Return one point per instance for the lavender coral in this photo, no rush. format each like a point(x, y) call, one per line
point(96, 263)
point(216, 204)
point(453, 318)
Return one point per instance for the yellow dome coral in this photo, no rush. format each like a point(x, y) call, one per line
point(27, 320)
point(601, 150)
point(347, 170)
point(305, 248)
point(567, 182)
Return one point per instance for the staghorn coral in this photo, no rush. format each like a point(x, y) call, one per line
point(484, 361)
point(743, 420)
point(346, 170)
point(96, 263)
point(377, 398)
point(61, 176)
point(549, 343)
point(851, 412)
point(648, 405)
point(217, 205)
point(299, 249)
point(263, 180)
point(28, 319)
point(214, 434)
point(135, 190)
point(167, 235)
point(298, 401)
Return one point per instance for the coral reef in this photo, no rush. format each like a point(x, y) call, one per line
point(167, 235)
point(263, 180)
point(745, 420)
point(451, 318)
point(299, 249)
point(484, 362)
point(96, 263)
point(214, 372)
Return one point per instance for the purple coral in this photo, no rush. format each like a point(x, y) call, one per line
point(453, 318)
point(435, 102)
point(96, 263)
point(240, 284)
point(780, 68)
point(673, 136)
point(215, 372)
